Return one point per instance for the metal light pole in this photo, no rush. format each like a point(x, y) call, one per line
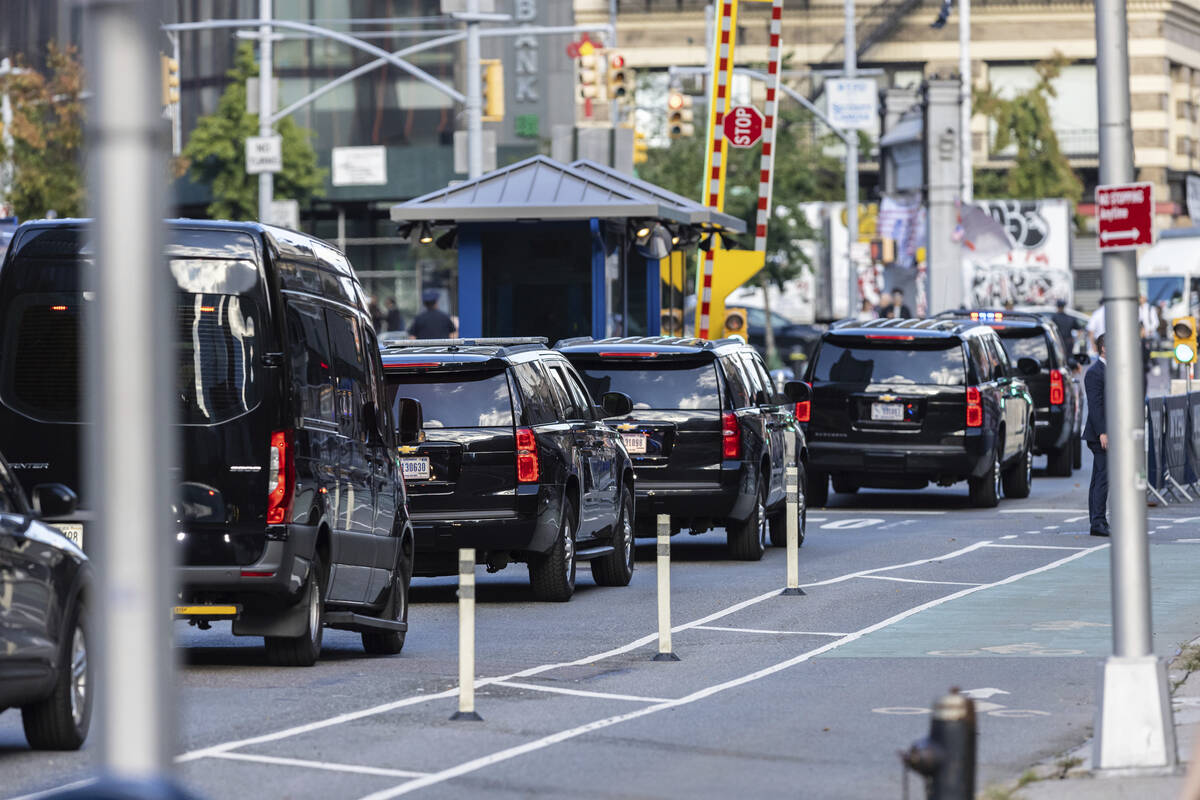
point(849, 67)
point(1134, 725)
point(964, 68)
point(474, 94)
point(266, 180)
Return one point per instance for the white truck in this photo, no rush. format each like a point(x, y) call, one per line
point(1169, 272)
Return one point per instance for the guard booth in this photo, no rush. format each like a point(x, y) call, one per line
point(557, 250)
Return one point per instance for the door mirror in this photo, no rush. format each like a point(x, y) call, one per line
point(797, 391)
point(616, 404)
point(53, 500)
point(1028, 366)
point(411, 421)
point(1081, 359)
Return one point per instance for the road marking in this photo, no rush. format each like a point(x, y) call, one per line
point(1067, 625)
point(325, 765)
point(1188, 541)
point(983, 694)
point(757, 630)
point(850, 524)
point(1039, 546)
point(1010, 536)
point(476, 764)
point(1076, 519)
point(47, 793)
point(817, 519)
point(880, 511)
point(1041, 511)
point(914, 580)
point(579, 693)
point(1033, 531)
point(1186, 519)
point(1051, 527)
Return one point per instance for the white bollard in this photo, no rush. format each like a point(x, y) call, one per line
point(664, 590)
point(792, 513)
point(466, 635)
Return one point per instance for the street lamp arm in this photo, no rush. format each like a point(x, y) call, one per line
point(845, 136)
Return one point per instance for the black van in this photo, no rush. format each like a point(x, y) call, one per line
point(291, 509)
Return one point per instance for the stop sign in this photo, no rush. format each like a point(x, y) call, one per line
point(743, 126)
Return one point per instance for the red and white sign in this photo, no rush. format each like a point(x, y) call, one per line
point(743, 126)
point(1125, 215)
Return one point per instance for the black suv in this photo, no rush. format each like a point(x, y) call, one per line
point(1057, 396)
point(898, 403)
point(709, 434)
point(514, 461)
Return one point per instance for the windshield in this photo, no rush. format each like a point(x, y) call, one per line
point(865, 364)
point(1026, 343)
point(1163, 288)
point(455, 400)
point(666, 385)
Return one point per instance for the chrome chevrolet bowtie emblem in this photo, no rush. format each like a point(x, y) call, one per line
point(888, 398)
point(627, 426)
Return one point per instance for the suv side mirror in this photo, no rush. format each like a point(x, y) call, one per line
point(797, 391)
point(1028, 366)
point(411, 421)
point(1082, 359)
point(53, 500)
point(616, 404)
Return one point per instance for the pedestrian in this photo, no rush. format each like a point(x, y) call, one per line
point(898, 309)
point(395, 322)
point(1148, 317)
point(431, 323)
point(867, 312)
point(1095, 328)
point(378, 318)
point(1066, 325)
point(1009, 305)
point(1095, 433)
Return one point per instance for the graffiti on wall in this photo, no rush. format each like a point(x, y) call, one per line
point(1036, 270)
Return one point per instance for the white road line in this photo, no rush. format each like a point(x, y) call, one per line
point(861, 511)
point(817, 519)
point(572, 733)
point(325, 765)
point(757, 630)
point(1076, 519)
point(580, 693)
point(1040, 511)
point(914, 580)
point(1186, 519)
point(1033, 531)
point(1188, 541)
point(1051, 527)
point(1010, 536)
point(1040, 546)
point(46, 793)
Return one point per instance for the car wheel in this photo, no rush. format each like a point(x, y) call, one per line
point(552, 575)
point(1018, 480)
point(303, 650)
point(61, 721)
point(985, 490)
point(779, 518)
point(818, 489)
point(1058, 462)
point(843, 485)
point(616, 568)
point(747, 540)
point(389, 643)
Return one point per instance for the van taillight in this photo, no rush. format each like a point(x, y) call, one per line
point(803, 410)
point(281, 477)
point(1056, 388)
point(527, 458)
point(974, 408)
point(731, 436)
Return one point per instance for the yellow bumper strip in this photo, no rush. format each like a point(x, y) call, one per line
point(206, 611)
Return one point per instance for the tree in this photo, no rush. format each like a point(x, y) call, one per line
point(216, 151)
point(47, 136)
point(1040, 169)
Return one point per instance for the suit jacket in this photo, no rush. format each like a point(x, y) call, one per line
point(1093, 384)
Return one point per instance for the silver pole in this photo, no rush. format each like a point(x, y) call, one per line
point(1135, 727)
point(964, 68)
point(466, 636)
point(849, 67)
point(266, 180)
point(474, 95)
point(664, 590)
point(131, 448)
point(6, 137)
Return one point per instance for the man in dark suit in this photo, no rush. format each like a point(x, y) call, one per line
point(1095, 433)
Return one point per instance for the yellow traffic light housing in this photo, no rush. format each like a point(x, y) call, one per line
point(641, 149)
point(679, 115)
point(735, 322)
point(1184, 331)
point(620, 79)
point(493, 89)
point(170, 80)
point(587, 73)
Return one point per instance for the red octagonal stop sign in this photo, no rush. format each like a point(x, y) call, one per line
point(743, 126)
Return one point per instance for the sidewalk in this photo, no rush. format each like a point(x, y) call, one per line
point(1080, 782)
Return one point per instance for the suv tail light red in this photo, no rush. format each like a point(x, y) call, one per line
point(974, 408)
point(281, 478)
point(527, 458)
point(731, 436)
point(804, 408)
point(1056, 388)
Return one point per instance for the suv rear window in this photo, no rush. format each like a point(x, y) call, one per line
point(1026, 343)
point(473, 399)
point(940, 362)
point(658, 385)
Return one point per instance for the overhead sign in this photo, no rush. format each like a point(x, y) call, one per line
point(1125, 215)
point(853, 103)
point(360, 166)
point(264, 154)
point(1192, 184)
point(743, 126)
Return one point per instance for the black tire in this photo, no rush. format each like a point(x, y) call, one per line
point(1077, 451)
point(1018, 479)
point(843, 485)
point(61, 721)
point(389, 643)
point(616, 568)
point(747, 540)
point(985, 490)
point(779, 518)
point(818, 489)
point(552, 574)
point(1058, 462)
point(303, 650)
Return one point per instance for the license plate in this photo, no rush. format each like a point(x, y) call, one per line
point(73, 531)
point(888, 412)
point(634, 442)
point(415, 469)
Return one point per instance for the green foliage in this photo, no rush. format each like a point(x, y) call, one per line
point(1040, 168)
point(47, 136)
point(216, 151)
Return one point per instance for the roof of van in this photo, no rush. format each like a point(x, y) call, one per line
point(462, 352)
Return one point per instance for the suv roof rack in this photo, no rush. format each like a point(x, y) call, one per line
point(1003, 316)
point(499, 346)
point(923, 323)
point(673, 341)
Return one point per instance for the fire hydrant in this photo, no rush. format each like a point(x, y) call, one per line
point(947, 757)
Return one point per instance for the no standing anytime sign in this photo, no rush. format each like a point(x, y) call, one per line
point(1125, 215)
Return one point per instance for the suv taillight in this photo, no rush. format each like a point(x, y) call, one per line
point(804, 409)
point(731, 436)
point(1056, 388)
point(974, 408)
point(527, 458)
point(281, 477)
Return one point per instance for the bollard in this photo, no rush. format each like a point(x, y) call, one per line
point(947, 757)
point(664, 590)
point(466, 635)
point(792, 512)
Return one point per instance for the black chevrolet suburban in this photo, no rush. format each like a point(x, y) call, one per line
point(901, 403)
point(513, 460)
point(710, 435)
point(291, 510)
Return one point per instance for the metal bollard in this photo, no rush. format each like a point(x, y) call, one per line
point(792, 513)
point(466, 635)
point(664, 590)
point(947, 757)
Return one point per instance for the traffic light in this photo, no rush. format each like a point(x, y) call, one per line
point(735, 322)
point(679, 115)
point(640, 148)
point(170, 80)
point(1184, 329)
point(620, 79)
point(587, 75)
point(493, 89)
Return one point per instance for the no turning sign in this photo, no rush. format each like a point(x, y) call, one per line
point(1125, 215)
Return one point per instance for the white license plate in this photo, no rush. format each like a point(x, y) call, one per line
point(889, 412)
point(634, 442)
point(73, 531)
point(415, 469)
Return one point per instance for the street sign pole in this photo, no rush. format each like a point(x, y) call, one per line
point(266, 180)
point(849, 67)
point(1134, 728)
point(474, 94)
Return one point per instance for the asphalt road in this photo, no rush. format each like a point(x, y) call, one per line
point(907, 594)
